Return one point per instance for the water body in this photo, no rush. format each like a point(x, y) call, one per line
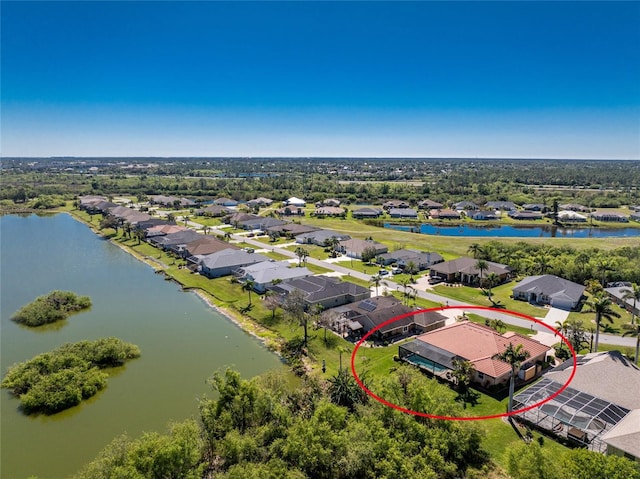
point(182, 340)
point(508, 231)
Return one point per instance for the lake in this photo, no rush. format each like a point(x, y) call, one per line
point(182, 341)
point(509, 231)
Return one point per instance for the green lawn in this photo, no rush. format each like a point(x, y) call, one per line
point(610, 328)
point(500, 294)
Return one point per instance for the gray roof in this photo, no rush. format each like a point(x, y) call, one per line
point(403, 212)
point(626, 434)
point(468, 266)
point(230, 257)
point(418, 257)
point(552, 286)
point(318, 288)
point(501, 205)
point(321, 235)
point(267, 272)
point(606, 375)
point(619, 292)
point(182, 237)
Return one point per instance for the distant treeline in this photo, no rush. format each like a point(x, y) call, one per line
point(60, 379)
point(594, 183)
point(55, 306)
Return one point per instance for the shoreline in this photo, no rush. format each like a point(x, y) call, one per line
point(247, 325)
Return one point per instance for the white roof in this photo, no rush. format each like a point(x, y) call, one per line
point(296, 201)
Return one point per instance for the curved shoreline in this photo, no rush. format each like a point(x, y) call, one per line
point(245, 324)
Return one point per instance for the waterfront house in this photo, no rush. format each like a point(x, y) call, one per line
point(535, 207)
point(500, 205)
point(264, 274)
point(575, 207)
point(326, 291)
point(202, 246)
point(571, 217)
point(525, 215)
point(465, 206)
point(403, 213)
point(610, 217)
point(436, 351)
point(174, 239)
point(444, 214)
point(484, 215)
point(387, 205)
point(549, 289)
point(226, 261)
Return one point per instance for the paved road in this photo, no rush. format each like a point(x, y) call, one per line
point(507, 318)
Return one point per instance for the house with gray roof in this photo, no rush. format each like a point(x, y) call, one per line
point(202, 246)
point(549, 289)
point(357, 319)
point(262, 223)
point(354, 247)
point(214, 211)
point(387, 205)
point(597, 409)
point(366, 212)
point(179, 238)
point(264, 274)
point(223, 201)
point(226, 261)
point(465, 205)
point(403, 213)
point(610, 217)
point(422, 259)
point(326, 291)
point(500, 205)
point(617, 293)
point(429, 205)
point(320, 236)
point(535, 207)
point(260, 201)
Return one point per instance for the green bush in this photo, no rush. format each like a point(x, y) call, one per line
point(55, 306)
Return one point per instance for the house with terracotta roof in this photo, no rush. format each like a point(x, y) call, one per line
point(464, 270)
point(444, 214)
point(437, 350)
point(429, 205)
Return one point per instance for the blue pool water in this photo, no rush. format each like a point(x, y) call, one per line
point(425, 363)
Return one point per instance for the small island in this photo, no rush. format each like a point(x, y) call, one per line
point(60, 379)
point(55, 306)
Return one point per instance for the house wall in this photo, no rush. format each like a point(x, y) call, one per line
point(614, 451)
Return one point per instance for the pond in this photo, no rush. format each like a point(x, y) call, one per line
point(510, 231)
point(183, 341)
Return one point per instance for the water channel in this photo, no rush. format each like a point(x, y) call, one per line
point(182, 340)
point(508, 231)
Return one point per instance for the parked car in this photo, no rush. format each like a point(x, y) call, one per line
point(435, 279)
point(396, 271)
point(383, 272)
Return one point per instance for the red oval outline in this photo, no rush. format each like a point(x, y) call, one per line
point(461, 418)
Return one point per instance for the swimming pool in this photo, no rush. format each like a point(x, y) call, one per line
point(425, 363)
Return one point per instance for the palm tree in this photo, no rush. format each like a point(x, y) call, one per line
point(542, 262)
point(476, 250)
point(376, 280)
point(492, 280)
point(633, 293)
point(302, 254)
point(248, 286)
point(633, 330)
point(601, 306)
point(411, 269)
point(513, 356)
point(482, 266)
point(206, 229)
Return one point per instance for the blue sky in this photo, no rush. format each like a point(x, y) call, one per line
point(423, 79)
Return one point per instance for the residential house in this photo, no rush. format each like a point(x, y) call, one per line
point(366, 212)
point(128, 215)
point(500, 205)
point(436, 351)
point(465, 206)
point(237, 218)
point(610, 217)
point(264, 274)
point(575, 207)
point(323, 211)
point(430, 205)
point(548, 289)
point(354, 248)
point(571, 217)
point(387, 205)
point(421, 259)
point(164, 229)
point(525, 215)
point(152, 222)
point(293, 201)
point(357, 319)
point(225, 202)
point(326, 291)
point(319, 237)
point(262, 223)
point(444, 214)
point(617, 292)
point(535, 207)
point(596, 408)
point(226, 261)
point(634, 216)
point(171, 201)
point(203, 246)
point(328, 202)
point(484, 215)
point(88, 202)
point(291, 230)
point(173, 239)
point(403, 213)
point(464, 270)
point(215, 211)
point(259, 202)
point(290, 211)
